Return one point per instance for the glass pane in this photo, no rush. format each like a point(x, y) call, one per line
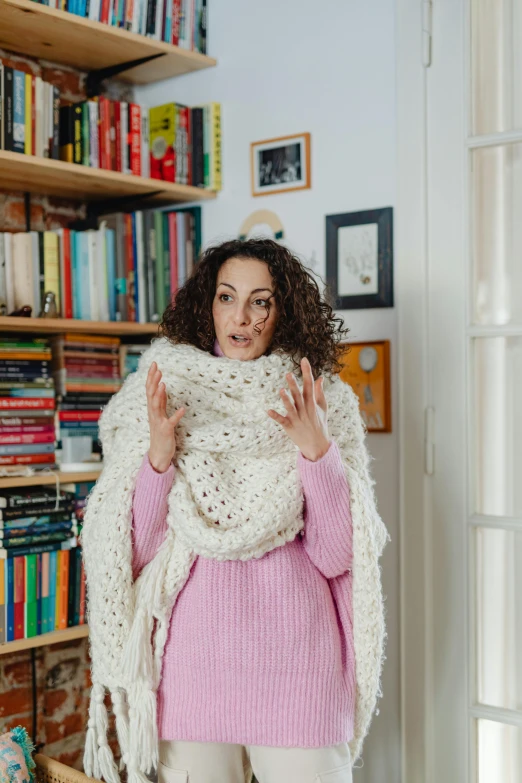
point(496, 64)
point(497, 234)
point(498, 567)
point(498, 426)
point(499, 754)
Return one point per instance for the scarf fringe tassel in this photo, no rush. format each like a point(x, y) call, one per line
point(98, 758)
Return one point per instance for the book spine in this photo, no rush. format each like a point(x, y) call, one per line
point(93, 135)
point(176, 4)
point(31, 576)
point(27, 403)
point(64, 588)
point(41, 437)
point(19, 595)
point(135, 139)
point(2, 107)
point(3, 611)
point(27, 459)
point(66, 134)
point(129, 256)
point(85, 134)
point(119, 118)
point(28, 114)
point(112, 136)
point(77, 131)
point(55, 148)
point(71, 588)
point(19, 111)
point(10, 621)
point(9, 108)
point(77, 585)
point(215, 176)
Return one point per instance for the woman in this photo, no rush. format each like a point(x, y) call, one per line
point(248, 648)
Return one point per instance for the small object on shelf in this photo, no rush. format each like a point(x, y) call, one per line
point(22, 312)
point(49, 308)
point(82, 467)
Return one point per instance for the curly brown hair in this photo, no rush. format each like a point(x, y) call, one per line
point(306, 325)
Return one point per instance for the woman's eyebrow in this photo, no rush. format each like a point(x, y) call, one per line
point(254, 291)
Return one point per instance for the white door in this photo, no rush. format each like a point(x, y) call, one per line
point(460, 284)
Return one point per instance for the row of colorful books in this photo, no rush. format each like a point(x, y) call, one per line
point(185, 144)
point(42, 586)
point(127, 270)
point(25, 369)
point(47, 405)
point(179, 22)
point(171, 142)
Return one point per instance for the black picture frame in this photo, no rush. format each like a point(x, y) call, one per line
point(384, 259)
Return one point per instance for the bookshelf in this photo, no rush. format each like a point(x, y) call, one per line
point(68, 634)
point(13, 323)
point(65, 478)
point(35, 30)
point(57, 178)
point(39, 31)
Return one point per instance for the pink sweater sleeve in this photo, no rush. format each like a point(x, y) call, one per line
point(149, 512)
point(327, 535)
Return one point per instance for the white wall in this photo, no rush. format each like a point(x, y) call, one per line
point(327, 68)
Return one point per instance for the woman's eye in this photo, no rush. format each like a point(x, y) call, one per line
point(261, 300)
point(222, 295)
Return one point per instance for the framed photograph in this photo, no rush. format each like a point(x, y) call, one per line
point(359, 258)
point(366, 367)
point(280, 165)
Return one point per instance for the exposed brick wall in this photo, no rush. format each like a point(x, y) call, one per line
point(62, 692)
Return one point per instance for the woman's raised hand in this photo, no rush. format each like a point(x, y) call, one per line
point(307, 414)
point(162, 449)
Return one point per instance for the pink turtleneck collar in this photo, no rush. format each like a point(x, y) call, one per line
point(217, 348)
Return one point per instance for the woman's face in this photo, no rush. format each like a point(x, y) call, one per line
point(244, 287)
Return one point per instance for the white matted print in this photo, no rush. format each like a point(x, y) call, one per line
point(280, 165)
point(358, 259)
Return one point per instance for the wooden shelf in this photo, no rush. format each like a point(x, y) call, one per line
point(12, 323)
point(36, 30)
point(36, 480)
point(78, 632)
point(71, 180)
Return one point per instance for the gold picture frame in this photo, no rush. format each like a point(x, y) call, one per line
point(281, 165)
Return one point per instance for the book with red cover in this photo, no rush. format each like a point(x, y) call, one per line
point(67, 304)
point(176, 9)
point(135, 138)
point(79, 415)
point(27, 437)
point(26, 403)
point(26, 459)
point(80, 370)
point(19, 596)
point(112, 135)
point(117, 126)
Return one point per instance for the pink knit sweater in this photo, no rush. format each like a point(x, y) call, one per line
point(260, 651)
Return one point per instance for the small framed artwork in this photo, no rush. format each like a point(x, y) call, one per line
point(280, 165)
point(359, 258)
point(366, 367)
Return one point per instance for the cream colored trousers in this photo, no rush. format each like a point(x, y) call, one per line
point(219, 762)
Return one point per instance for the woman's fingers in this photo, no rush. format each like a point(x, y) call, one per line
point(295, 390)
point(177, 416)
point(308, 384)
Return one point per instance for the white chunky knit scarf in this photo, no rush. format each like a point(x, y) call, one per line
point(236, 495)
